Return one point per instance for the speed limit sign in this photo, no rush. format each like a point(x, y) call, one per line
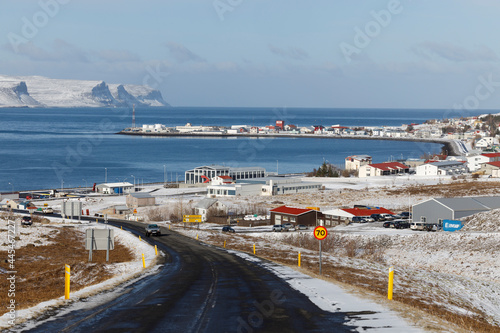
point(320, 232)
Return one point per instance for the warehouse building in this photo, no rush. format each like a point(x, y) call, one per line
point(140, 199)
point(204, 174)
point(115, 188)
point(438, 209)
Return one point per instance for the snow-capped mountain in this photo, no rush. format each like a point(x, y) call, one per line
point(38, 91)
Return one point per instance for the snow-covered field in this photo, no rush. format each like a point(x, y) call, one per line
point(122, 272)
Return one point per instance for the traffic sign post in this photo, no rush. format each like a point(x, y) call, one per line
point(320, 233)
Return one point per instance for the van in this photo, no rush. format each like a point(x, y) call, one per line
point(417, 226)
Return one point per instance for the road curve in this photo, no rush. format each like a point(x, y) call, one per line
point(200, 288)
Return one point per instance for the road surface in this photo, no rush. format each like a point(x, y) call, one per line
point(199, 288)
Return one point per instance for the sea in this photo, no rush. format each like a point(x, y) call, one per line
point(54, 148)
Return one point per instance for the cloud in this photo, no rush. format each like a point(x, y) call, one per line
point(60, 50)
point(182, 54)
point(429, 50)
point(117, 55)
point(294, 53)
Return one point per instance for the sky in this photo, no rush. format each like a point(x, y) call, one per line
point(269, 53)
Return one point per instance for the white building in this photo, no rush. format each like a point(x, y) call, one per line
point(156, 128)
point(354, 162)
point(202, 207)
point(383, 169)
point(204, 174)
point(263, 187)
point(442, 168)
point(474, 162)
point(115, 188)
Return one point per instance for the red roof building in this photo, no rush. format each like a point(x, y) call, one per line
point(284, 214)
point(383, 169)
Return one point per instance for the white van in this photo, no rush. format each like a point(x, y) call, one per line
point(417, 226)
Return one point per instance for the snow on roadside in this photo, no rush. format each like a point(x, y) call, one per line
point(330, 297)
point(122, 273)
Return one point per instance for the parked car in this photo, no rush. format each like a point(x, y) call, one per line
point(47, 210)
point(377, 217)
point(388, 224)
point(26, 220)
point(401, 224)
point(430, 227)
point(302, 227)
point(358, 219)
point(289, 227)
point(153, 230)
point(387, 217)
point(417, 226)
point(228, 229)
point(405, 215)
point(368, 219)
point(278, 227)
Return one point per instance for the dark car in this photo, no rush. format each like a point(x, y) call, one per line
point(401, 224)
point(388, 224)
point(405, 215)
point(377, 217)
point(26, 220)
point(228, 229)
point(358, 219)
point(153, 230)
point(302, 227)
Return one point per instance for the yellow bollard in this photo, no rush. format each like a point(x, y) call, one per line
point(140, 238)
point(96, 221)
point(391, 282)
point(169, 227)
point(121, 227)
point(299, 259)
point(224, 244)
point(156, 250)
point(143, 261)
point(254, 248)
point(196, 236)
point(67, 276)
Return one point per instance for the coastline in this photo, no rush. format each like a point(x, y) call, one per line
point(450, 145)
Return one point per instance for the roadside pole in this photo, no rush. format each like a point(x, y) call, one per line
point(320, 233)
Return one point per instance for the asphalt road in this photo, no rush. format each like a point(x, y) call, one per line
point(200, 288)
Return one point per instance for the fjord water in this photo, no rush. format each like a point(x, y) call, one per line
point(50, 148)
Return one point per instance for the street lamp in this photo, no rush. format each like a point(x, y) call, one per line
point(12, 187)
point(105, 175)
point(134, 181)
point(164, 174)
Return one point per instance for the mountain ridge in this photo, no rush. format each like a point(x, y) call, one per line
point(40, 92)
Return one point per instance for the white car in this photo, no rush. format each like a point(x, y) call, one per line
point(47, 210)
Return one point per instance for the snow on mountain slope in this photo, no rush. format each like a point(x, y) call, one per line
point(38, 91)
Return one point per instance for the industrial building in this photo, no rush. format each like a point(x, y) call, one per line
point(442, 168)
point(204, 174)
point(383, 169)
point(263, 186)
point(140, 199)
point(345, 215)
point(295, 216)
point(115, 188)
point(438, 209)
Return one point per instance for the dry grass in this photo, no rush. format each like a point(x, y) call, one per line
point(371, 281)
point(40, 269)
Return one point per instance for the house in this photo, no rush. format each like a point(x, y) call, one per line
point(485, 142)
point(318, 129)
point(221, 180)
point(491, 168)
point(8, 204)
point(140, 199)
point(115, 188)
point(345, 215)
point(354, 162)
point(441, 168)
point(436, 210)
point(474, 162)
point(284, 214)
point(383, 169)
point(204, 205)
point(280, 125)
point(254, 130)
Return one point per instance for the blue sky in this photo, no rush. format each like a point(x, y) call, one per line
point(280, 53)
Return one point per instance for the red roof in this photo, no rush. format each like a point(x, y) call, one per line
point(389, 166)
point(367, 211)
point(290, 210)
point(491, 155)
point(495, 164)
point(226, 177)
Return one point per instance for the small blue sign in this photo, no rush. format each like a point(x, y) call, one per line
point(452, 225)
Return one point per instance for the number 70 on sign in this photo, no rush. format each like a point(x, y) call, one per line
point(320, 232)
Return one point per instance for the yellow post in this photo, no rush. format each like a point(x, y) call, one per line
point(143, 261)
point(140, 238)
point(224, 244)
point(121, 227)
point(299, 259)
point(67, 276)
point(253, 248)
point(169, 227)
point(391, 282)
point(96, 221)
point(196, 236)
point(156, 250)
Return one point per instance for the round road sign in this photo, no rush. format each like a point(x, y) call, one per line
point(320, 233)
